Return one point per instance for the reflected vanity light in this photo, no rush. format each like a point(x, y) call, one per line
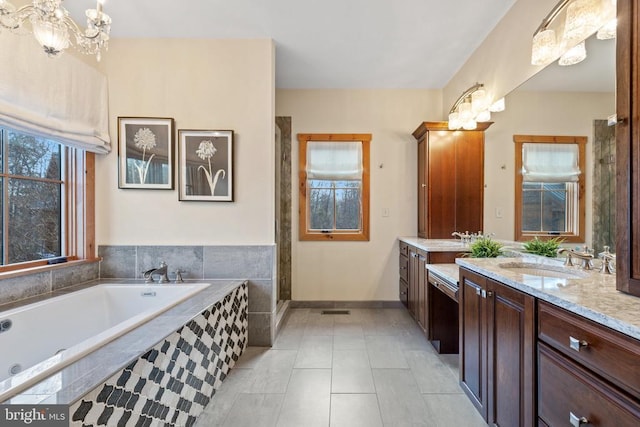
point(473, 106)
point(568, 24)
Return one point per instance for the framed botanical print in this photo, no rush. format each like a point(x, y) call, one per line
point(206, 165)
point(145, 153)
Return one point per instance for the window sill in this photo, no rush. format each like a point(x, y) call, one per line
point(8, 272)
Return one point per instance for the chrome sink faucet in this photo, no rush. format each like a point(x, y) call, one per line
point(466, 237)
point(586, 256)
point(162, 271)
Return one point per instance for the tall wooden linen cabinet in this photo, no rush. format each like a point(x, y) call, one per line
point(450, 179)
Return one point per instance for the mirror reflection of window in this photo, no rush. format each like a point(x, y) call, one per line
point(550, 187)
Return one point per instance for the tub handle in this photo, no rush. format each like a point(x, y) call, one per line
point(179, 276)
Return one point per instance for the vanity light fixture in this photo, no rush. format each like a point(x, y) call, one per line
point(565, 28)
point(473, 106)
point(53, 28)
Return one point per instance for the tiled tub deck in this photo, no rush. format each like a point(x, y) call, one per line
point(162, 373)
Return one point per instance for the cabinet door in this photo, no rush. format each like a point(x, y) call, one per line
point(510, 356)
point(442, 185)
point(469, 181)
point(422, 187)
point(412, 299)
point(473, 350)
point(422, 293)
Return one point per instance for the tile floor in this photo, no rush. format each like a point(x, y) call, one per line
point(370, 368)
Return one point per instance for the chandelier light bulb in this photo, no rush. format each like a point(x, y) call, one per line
point(574, 55)
point(583, 19)
point(544, 47)
point(464, 111)
point(470, 125)
point(483, 116)
point(454, 121)
point(497, 106)
point(479, 100)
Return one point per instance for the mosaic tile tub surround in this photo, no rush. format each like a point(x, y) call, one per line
point(172, 382)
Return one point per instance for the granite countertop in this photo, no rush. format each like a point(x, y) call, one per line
point(80, 377)
point(449, 272)
point(451, 245)
point(436, 245)
point(593, 295)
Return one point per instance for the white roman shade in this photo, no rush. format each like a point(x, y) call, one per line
point(550, 162)
point(334, 160)
point(60, 98)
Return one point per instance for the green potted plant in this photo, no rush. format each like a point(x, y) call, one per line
point(485, 247)
point(548, 248)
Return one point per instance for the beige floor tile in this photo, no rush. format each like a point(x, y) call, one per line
point(355, 410)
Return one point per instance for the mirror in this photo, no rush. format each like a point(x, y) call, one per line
point(571, 100)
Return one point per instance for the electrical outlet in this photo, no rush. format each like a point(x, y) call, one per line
point(385, 212)
point(498, 212)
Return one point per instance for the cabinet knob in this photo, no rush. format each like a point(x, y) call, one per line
point(577, 344)
point(424, 185)
point(577, 421)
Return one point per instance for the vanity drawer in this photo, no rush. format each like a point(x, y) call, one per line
point(404, 249)
point(403, 292)
point(605, 351)
point(567, 393)
point(404, 267)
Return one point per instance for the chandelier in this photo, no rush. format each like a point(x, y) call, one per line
point(564, 29)
point(473, 106)
point(54, 29)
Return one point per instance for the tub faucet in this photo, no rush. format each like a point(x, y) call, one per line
point(162, 271)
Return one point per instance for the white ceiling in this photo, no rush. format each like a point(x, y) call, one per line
point(326, 43)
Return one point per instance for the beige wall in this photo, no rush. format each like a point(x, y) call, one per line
point(202, 84)
point(535, 113)
point(360, 270)
point(503, 61)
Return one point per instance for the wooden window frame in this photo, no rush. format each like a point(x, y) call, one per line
point(78, 213)
point(304, 232)
point(581, 141)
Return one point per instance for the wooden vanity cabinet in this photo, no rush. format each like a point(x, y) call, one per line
point(450, 179)
point(585, 371)
point(497, 350)
point(413, 280)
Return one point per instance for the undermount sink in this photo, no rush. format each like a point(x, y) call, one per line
point(542, 270)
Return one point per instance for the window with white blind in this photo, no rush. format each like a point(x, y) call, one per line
point(550, 187)
point(334, 186)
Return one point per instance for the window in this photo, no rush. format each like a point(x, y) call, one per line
point(549, 199)
point(43, 211)
point(334, 186)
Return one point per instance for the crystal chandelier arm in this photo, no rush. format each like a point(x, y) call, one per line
point(15, 17)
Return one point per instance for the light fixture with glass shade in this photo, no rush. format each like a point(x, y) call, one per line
point(54, 29)
point(473, 106)
point(569, 23)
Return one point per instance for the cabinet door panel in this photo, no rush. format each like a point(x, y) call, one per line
point(442, 180)
point(510, 338)
point(422, 187)
point(469, 179)
point(472, 339)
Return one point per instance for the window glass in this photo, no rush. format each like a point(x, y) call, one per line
point(32, 198)
point(334, 173)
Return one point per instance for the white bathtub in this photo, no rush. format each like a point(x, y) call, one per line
point(46, 336)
